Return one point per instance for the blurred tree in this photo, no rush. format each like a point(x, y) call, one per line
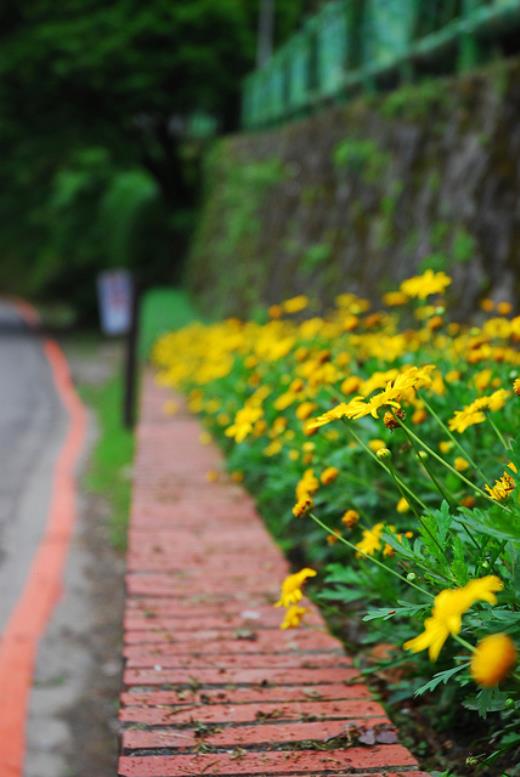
point(121, 78)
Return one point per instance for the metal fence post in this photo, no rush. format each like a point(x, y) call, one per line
point(130, 368)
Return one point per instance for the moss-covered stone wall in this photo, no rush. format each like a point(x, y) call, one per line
point(357, 197)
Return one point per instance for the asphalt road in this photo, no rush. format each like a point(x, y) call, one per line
point(32, 428)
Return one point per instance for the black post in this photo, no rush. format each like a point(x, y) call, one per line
point(130, 376)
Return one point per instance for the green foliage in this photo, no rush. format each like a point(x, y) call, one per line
point(162, 310)
point(315, 256)
point(362, 157)
point(436, 261)
point(415, 101)
point(101, 107)
point(427, 568)
point(236, 192)
point(463, 246)
point(449, 246)
point(122, 209)
point(109, 473)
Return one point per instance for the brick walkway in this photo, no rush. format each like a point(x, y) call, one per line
point(212, 686)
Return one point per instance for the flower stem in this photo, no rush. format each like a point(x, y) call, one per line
point(498, 433)
point(402, 486)
point(451, 469)
point(452, 437)
point(374, 560)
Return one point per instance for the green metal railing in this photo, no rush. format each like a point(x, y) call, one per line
point(358, 43)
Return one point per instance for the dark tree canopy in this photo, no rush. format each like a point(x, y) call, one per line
point(92, 90)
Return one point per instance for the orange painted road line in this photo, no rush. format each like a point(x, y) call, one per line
point(19, 642)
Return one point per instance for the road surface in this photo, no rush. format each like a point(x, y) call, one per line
point(70, 722)
point(32, 428)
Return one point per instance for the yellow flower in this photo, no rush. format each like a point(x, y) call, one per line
point(342, 359)
point(302, 506)
point(502, 488)
point(403, 505)
point(304, 410)
point(421, 286)
point(376, 445)
point(350, 518)
point(293, 617)
point(463, 419)
point(297, 385)
point(274, 447)
point(291, 592)
point(329, 475)
point(419, 416)
point(473, 413)
point(483, 589)
point(371, 540)
point(395, 298)
point(449, 606)
point(307, 485)
point(461, 464)
point(445, 446)
point(401, 388)
point(516, 387)
point(325, 418)
point(279, 426)
point(493, 659)
point(483, 379)
point(452, 376)
point(497, 399)
point(350, 322)
point(285, 400)
point(504, 308)
point(390, 419)
point(351, 384)
point(333, 538)
point(295, 304)
point(487, 305)
point(244, 422)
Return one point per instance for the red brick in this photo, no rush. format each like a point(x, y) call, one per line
point(343, 762)
point(221, 641)
point(249, 713)
point(238, 662)
point(238, 677)
point(271, 734)
point(199, 561)
point(247, 695)
point(228, 622)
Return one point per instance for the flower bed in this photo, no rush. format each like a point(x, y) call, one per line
point(382, 450)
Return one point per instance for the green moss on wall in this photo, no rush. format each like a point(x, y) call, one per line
point(358, 196)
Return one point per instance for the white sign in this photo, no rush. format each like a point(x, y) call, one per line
point(115, 301)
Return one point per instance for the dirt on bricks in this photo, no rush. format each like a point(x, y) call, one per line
point(212, 686)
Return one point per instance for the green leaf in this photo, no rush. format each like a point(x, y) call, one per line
point(441, 678)
point(340, 595)
point(385, 613)
point(487, 700)
point(494, 522)
point(339, 573)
